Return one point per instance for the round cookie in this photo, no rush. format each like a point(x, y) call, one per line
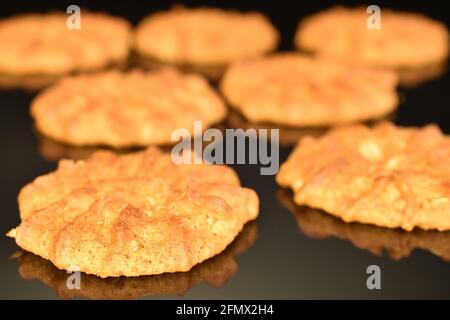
point(388, 176)
point(42, 44)
point(405, 39)
point(299, 90)
point(132, 215)
point(287, 136)
point(125, 109)
point(204, 36)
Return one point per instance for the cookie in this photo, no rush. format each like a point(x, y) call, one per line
point(125, 109)
point(34, 44)
point(215, 272)
point(397, 243)
point(298, 90)
point(204, 36)
point(405, 40)
point(132, 215)
point(387, 176)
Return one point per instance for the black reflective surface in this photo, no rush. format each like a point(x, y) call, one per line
point(294, 253)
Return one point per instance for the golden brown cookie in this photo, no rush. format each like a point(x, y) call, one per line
point(215, 272)
point(125, 109)
point(132, 215)
point(288, 136)
point(42, 43)
point(397, 243)
point(30, 83)
point(53, 151)
point(404, 39)
point(204, 36)
point(298, 90)
point(388, 176)
point(212, 72)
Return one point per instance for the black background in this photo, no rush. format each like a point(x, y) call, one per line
point(283, 263)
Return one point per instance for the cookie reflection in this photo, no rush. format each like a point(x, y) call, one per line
point(36, 82)
point(53, 151)
point(289, 136)
point(212, 73)
point(27, 83)
point(411, 78)
point(397, 243)
point(216, 272)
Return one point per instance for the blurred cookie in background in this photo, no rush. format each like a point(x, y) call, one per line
point(297, 90)
point(397, 243)
point(43, 47)
point(215, 271)
point(204, 38)
point(386, 175)
point(125, 109)
point(412, 44)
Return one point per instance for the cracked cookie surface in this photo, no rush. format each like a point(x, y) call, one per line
point(404, 40)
